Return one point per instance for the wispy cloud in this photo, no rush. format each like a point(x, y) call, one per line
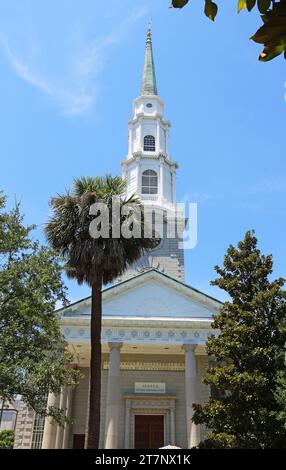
point(198, 197)
point(70, 102)
point(80, 97)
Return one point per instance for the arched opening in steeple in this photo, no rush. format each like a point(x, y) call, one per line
point(149, 143)
point(149, 182)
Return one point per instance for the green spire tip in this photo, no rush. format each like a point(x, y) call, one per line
point(149, 86)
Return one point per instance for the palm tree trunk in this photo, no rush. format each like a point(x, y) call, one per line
point(95, 364)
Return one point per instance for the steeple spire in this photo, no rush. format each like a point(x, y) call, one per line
point(149, 86)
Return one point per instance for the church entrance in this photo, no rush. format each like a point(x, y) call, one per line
point(149, 431)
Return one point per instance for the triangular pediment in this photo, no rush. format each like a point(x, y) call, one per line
point(151, 295)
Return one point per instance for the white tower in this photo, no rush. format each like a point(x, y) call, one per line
point(148, 168)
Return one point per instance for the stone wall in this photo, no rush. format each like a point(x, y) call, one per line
point(24, 427)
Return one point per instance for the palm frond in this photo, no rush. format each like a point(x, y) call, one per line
point(67, 231)
point(86, 184)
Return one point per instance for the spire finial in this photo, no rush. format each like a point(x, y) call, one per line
point(149, 86)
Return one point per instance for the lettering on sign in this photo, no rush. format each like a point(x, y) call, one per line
point(150, 387)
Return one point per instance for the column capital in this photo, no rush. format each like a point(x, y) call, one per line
point(115, 345)
point(189, 347)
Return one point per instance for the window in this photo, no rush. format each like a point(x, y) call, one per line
point(149, 182)
point(38, 432)
point(149, 143)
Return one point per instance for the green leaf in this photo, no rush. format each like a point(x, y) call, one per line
point(270, 52)
point(211, 9)
point(263, 5)
point(241, 5)
point(7, 437)
point(179, 3)
point(271, 32)
point(250, 4)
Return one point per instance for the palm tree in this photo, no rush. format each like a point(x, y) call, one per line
point(95, 261)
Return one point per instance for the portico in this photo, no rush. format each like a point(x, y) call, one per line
point(147, 403)
point(152, 365)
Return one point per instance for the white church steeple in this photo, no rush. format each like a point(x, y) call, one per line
point(149, 171)
point(151, 174)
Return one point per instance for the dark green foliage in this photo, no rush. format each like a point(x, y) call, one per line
point(280, 396)
point(248, 377)
point(32, 361)
point(272, 34)
point(7, 439)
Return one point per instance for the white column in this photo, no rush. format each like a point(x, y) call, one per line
point(172, 421)
point(173, 176)
point(50, 427)
point(68, 415)
point(141, 143)
point(113, 397)
point(60, 429)
point(138, 177)
point(191, 394)
point(161, 180)
point(158, 143)
point(167, 140)
point(130, 141)
point(127, 425)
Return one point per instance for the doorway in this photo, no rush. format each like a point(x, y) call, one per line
point(149, 431)
point(78, 441)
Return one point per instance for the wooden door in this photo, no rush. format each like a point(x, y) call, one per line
point(149, 431)
point(78, 441)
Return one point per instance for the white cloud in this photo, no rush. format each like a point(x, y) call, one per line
point(196, 197)
point(22, 70)
point(71, 103)
point(79, 97)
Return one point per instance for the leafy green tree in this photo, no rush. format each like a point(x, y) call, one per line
point(280, 395)
point(32, 361)
point(95, 261)
point(7, 439)
point(273, 31)
point(245, 410)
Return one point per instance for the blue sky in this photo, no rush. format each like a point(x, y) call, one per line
point(69, 72)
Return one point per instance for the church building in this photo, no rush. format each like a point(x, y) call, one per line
point(154, 325)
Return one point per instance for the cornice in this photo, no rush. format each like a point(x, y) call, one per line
point(138, 322)
point(147, 98)
point(139, 333)
point(154, 117)
point(150, 156)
